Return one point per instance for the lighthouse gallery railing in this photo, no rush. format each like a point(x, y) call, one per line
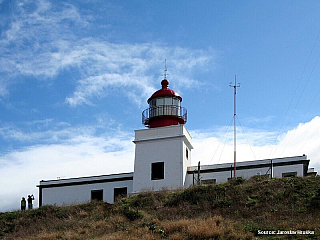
point(164, 110)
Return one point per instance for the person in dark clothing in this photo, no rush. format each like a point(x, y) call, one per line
point(30, 199)
point(23, 204)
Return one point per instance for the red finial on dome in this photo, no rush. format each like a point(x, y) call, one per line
point(164, 84)
point(164, 92)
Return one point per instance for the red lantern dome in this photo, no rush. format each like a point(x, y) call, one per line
point(164, 108)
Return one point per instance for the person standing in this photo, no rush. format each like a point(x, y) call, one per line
point(30, 199)
point(23, 204)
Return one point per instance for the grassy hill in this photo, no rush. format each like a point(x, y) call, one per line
point(239, 209)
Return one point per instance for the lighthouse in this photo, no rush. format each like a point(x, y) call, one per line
point(163, 161)
point(163, 150)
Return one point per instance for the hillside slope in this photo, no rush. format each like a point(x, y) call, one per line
point(239, 209)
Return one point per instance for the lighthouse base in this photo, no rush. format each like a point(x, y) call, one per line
point(162, 156)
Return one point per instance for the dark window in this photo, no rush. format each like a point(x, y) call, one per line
point(261, 176)
point(97, 195)
point(157, 171)
point(209, 181)
point(289, 174)
point(231, 178)
point(187, 153)
point(119, 193)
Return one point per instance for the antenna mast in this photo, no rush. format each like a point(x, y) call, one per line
point(165, 69)
point(235, 127)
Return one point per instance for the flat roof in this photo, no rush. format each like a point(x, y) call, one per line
point(86, 180)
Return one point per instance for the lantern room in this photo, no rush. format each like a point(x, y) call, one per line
point(164, 108)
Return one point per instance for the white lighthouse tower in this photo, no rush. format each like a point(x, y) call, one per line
point(163, 151)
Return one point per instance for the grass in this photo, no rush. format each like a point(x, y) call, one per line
point(239, 209)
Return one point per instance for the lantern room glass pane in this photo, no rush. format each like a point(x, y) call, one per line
point(168, 101)
point(176, 102)
point(159, 106)
point(176, 107)
point(152, 111)
point(152, 103)
point(160, 101)
point(152, 108)
point(167, 106)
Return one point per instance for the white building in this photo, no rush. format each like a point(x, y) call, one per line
point(162, 161)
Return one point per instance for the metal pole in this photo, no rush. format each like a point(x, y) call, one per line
point(193, 177)
point(198, 177)
point(235, 126)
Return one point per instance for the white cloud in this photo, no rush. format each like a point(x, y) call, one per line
point(41, 44)
point(81, 155)
point(39, 21)
point(257, 144)
point(131, 66)
point(37, 30)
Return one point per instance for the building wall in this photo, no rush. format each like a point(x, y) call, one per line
point(164, 144)
point(279, 170)
point(71, 191)
point(186, 161)
point(222, 172)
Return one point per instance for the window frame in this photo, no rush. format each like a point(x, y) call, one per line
point(97, 195)
point(157, 171)
point(209, 181)
point(289, 174)
point(119, 192)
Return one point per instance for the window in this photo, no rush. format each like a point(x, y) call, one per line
point(231, 178)
point(209, 181)
point(176, 102)
point(152, 103)
point(160, 106)
point(187, 153)
point(261, 176)
point(120, 193)
point(289, 174)
point(168, 101)
point(152, 112)
point(157, 171)
point(97, 195)
point(160, 101)
point(168, 106)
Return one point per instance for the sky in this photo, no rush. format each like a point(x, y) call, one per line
point(75, 77)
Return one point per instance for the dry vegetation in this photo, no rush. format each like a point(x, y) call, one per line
point(233, 210)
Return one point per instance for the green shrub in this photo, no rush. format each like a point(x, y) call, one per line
point(143, 200)
point(236, 181)
point(251, 202)
point(10, 216)
point(132, 214)
point(61, 213)
point(315, 201)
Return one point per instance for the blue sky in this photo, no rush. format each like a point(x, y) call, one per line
point(75, 77)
